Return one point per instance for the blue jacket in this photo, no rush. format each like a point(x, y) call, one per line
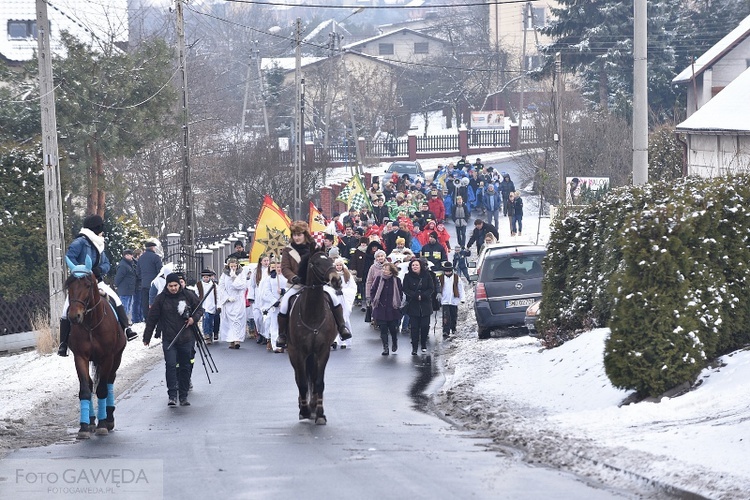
point(80, 248)
point(492, 201)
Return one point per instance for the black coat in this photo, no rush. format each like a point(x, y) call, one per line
point(479, 233)
point(164, 312)
point(149, 266)
point(125, 278)
point(419, 289)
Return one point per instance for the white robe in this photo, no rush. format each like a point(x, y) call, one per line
point(349, 288)
point(254, 293)
point(267, 294)
point(232, 302)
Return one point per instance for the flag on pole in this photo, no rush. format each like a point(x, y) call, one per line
point(271, 231)
point(355, 195)
point(317, 222)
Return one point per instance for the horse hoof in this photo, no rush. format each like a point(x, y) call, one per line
point(101, 431)
point(110, 424)
point(320, 421)
point(83, 435)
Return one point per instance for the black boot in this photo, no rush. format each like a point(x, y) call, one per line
point(122, 317)
point(384, 339)
point(283, 325)
point(338, 314)
point(64, 334)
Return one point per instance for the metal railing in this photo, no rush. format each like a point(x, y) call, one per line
point(430, 143)
point(489, 138)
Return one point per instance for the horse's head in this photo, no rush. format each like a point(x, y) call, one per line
point(322, 270)
point(82, 290)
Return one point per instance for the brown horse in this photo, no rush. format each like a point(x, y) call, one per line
point(312, 330)
point(97, 342)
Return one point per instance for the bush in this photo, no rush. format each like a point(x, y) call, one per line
point(665, 266)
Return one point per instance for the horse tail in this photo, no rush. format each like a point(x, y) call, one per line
point(312, 373)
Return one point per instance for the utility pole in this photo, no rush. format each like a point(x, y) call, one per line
point(526, 18)
point(52, 194)
point(559, 135)
point(299, 129)
point(188, 237)
point(254, 67)
point(640, 93)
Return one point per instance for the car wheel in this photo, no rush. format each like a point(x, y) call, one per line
point(484, 333)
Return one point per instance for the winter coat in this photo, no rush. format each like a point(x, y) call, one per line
point(376, 270)
point(460, 215)
point(149, 265)
point(438, 208)
point(518, 207)
point(451, 290)
point(166, 312)
point(383, 310)
point(435, 253)
point(373, 247)
point(493, 201)
point(291, 257)
point(83, 246)
point(506, 187)
point(418, 289)
point(125, 278)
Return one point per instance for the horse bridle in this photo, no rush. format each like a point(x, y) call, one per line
point(86, 308)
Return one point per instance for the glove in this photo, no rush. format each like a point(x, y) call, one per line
point(276, 304)
point(296, 280)
point(218, 310)
point(97, 272)
point(339, 292)
point(439, 297)
point(157, 335)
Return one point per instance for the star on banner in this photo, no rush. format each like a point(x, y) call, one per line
point(275, 242)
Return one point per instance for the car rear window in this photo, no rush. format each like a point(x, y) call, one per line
point(512, 267)
point(403, 168)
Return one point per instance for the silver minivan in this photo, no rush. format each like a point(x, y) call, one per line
point(508, 281)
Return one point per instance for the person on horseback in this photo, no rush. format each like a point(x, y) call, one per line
point(294, 260)
point(90, 242)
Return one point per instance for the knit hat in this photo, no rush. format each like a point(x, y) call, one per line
point(173, 278)
point(379, 252)
point(433, 234)
point(95, 223)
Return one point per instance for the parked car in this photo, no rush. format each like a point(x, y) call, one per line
point(508, 281)
point(412, 168)
point(532, 313)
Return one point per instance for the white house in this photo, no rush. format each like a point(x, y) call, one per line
point(718, 66)
point(404, 45)
point(96, 22)
point(718, 133)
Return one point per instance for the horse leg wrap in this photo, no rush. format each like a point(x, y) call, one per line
point(111, 395)
point(101, 409)
point(85, 409)
point(338, 314)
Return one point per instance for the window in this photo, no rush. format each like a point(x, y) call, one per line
point(536, 19)
point(385, 49)
point(421, 48)
point(21, 30)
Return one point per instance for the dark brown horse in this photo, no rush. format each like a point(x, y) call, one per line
point(312, 330)
point(97, 342)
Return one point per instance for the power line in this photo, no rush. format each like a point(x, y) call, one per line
point(375, 7)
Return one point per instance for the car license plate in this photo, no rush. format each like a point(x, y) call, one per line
point(519, 303)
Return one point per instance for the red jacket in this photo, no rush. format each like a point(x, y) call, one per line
point(437, 207)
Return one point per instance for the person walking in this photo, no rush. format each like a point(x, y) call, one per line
point(460, 261)
point(506, 187)
point(481, 229)
point(373, 272)
point(125, 281)
point(232, 289)
point(149, 266)
point(492, 203)
point(516, 225)
point(207, 288)
point(268, 297)
point(175, 311)
point(386, 293)
point(460, 216)
point(253, 295)
point(89, 245)
point(418, 287)
point(137, 312)
point(511, 212)
point(450, 295)
point(349, 291)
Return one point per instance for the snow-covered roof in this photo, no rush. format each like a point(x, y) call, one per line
point(727, 112)
point(286, 63)
point(715, 53)
point(384, 35)
point(85, 19)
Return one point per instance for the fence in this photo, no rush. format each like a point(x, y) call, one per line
point(16, 316)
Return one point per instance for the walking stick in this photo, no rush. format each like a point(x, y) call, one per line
point(185, 325)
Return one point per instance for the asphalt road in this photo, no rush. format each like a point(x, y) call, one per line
point(241, 438)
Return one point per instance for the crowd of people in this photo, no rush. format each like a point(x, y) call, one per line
point(395, 261)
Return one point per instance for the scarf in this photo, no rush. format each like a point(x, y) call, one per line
point(95, 239)
point(395, 299)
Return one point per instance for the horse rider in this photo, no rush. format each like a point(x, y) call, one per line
point(90, 242)
point(294, 256)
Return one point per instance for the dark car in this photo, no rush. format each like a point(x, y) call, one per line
point(413, 168)
point(507, 283)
